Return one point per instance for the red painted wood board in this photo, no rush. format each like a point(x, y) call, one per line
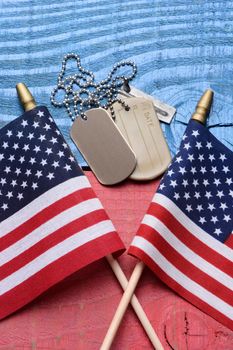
point(75, 314)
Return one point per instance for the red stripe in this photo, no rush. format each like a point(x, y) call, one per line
point(45, 215)
point(193, 299)
point(190, 240)
point(50, 241)
point(57, 271)
point(183, 265)
point(229, 241)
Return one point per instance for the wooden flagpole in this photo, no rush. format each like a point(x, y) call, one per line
point(135, 304)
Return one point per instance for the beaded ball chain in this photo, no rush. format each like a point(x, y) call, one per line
point(81, 92)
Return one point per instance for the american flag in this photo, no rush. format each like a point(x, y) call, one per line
point(186, 236)
point(52, 223)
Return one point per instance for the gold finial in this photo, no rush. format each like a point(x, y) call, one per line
point(25, 97)
point(203, 107)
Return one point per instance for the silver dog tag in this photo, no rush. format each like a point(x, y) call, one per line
point(164, 112)
point(103, 146)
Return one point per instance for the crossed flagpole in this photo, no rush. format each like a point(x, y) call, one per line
point(200, 115)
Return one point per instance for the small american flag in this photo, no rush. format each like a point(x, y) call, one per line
point(52, 224)
point(186, 236)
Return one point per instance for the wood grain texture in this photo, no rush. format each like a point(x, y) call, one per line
point(75, 314)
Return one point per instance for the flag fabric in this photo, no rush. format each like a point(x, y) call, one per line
point(51, 222)
point(186, 235)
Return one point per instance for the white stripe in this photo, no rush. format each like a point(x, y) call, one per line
point(183, 280)
point(54, 253)
point(196, 231)
point(187, 253)
point(48, 228)
point(42, 202)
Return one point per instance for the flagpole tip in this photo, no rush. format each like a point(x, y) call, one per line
point(25, 97)
point(203, 107)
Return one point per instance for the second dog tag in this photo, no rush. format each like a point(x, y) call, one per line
point(141, 128)
point(103, 146)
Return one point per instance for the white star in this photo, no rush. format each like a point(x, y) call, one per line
point(2, 156)
point(50, 176)
point(176, 195)
point(3, 181)
point(189, 208)
point(170, 172)
point(229, 181)
point(203, 170)
point(34, 185)
point(43, 162)
point(220, 194)
point(9, 194)
point(185, 183)
point(30, 135)
point(199, 207)
point(201, 157)
point(195, 133)
point(197, 195)
point(42, 138)
point(182, 170)
point(198, 145)
point(32, 160)
point(9, 133)
point(17, 171)
point(37, 149)
point(38, 173)
point(179, 159)
point(47, 127)
point(187, 146)
point(26, 147)
point(11, 158)
point(211, 207)
point(227, 218)
point(35, 125)
point(16, 146)
point(184, 137)
point(231, 193)
point(60, 154)
point(217, 182)
point(195, 182)
point(53, 140)
point(190, 157)
point(57, 132)
point(19, 134)
point(225, 169)
point(214, 169)
point(223, 206)
point(13, 183)
point(7, 169)
point(56, 164)
point(193, 170)
point(186, 195)
point(28, 172)
point(214, 219)
point(205, 182)
point(5, 145)
point(67, 167)
point(24, 123)
point(211, 157)
point(173, 183)
point(4, 206)
point(222, 157)
point(48, 151)
point(208, 194)
point(202, 220)
point(218, 231)
point(40, 114)
point(209, 145)
point(161, 187)
point(65, 145)
point(20, 196)
point(24, 184)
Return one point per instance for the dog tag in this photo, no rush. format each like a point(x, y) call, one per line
point(103, 146)
point(164, 112)
point(141, 128)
